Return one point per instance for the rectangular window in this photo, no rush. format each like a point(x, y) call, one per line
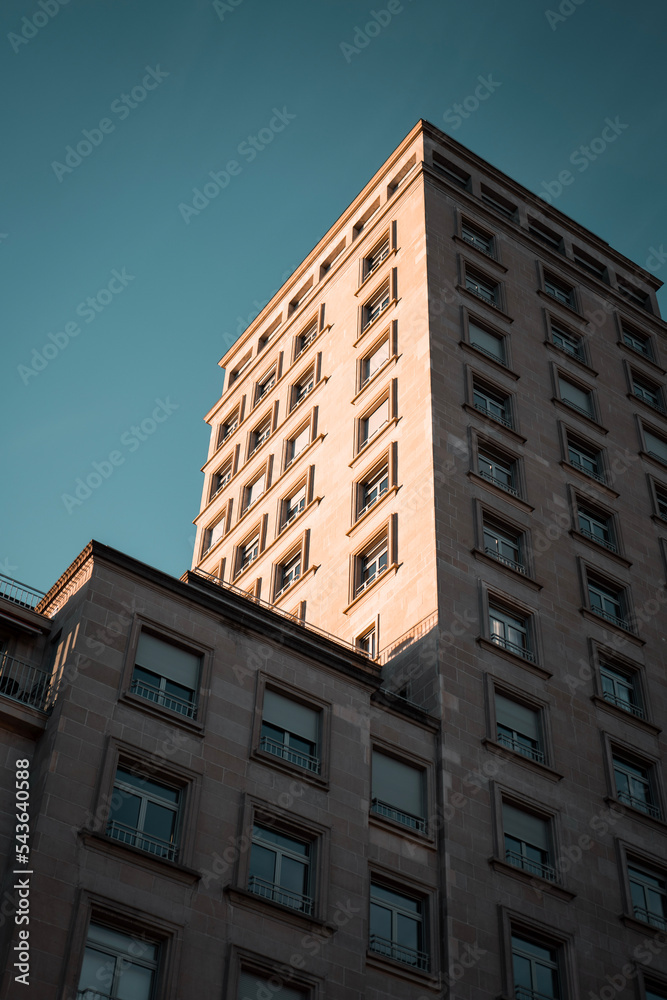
point(220, 478)
point(492, 402)
point(367, 642)
point(545, 235)
point(378, 254)
point(661, 501)
point(518, 728)
point(118, 964)
point(227, 428)
point(293, 506)
point(398, 792)
point(372, 564)
point(488, 343)
point(303, 387)
point(559, 290)
point(655, 446)
point(396, 927)
point(144, 814)
point(621, 689)
point(265, 386)
point(585, 458)
point(498, 203)
point(498, 469)
point(535, 970)
point(252, 987)
point(637, 341)
point(567, 342)
point(457, 175)
point(649, 897)
point(633, 294)
point(374, 361)
point(510, 631)
point(260, 434)
point(254, 491)
point(280, 869)
point(596, 525)
point(166, 675)
point(288, 573)
point(248, 553)
point(648, 392)
point(373, 489)
point(589, 264)
point(608, 601)
point(375, 306)
point(212, 535)
point(483, 287)
point(503, 544)
point(305, 339)
point(478, 239)
point(297, 444)
point(373, 423)
point(527, 842)
point(576, 397)
point(634, 786)
point(290, 731)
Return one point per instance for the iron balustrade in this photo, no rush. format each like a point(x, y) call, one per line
point(279, 749)
point(640, 804)
point(23, 682)
point(620, 622)
point(137, 838)
point(513, 647)
point(516, 745)
point(598, 476)
point(596, 538)
point(19, 593)
point(650, 917)
point(494, 357)
point(498, 482)
point(406, 819)
point(494, 416)
point(183, 706)
point(276, 893)
point(534, 867)
point(503, 559)
point(627, 706)
point(399, 952)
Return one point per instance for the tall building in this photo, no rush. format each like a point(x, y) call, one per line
point(397, 734)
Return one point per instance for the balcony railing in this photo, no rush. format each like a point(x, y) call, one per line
point(627, 706)
point(500, 357)
point(523, 993)
point(183, 706)
point(136, 838)
point(598, 476)
point(640, 804)
point(297, 757)
point(488, 412)
point(512, 563)
point(513, 647)
point(498, 482)
point(623, 623)
point(391, 949)
point(650, 917)
point(407, 819)
point(532, 752)
point(23, 682)
point(596, 538)
point(19, 593)
point(534, 867)
point(269, 890)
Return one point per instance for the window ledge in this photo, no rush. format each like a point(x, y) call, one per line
point(367, 280)
point(620, 713)
point(408, 832)
point(640, 925)
point(391, 570)
point(573, 411)
point(484, 255)
point(571, 357)
point(638, 356)
point(367, 513)
point(500, 365)
point(499, 492)
point(517, 574)
point(292, 586)
point(561, 305)
point(656, 410)
point(383, 367)
point(385, 964)
point(599, 547)
point(160, 712)
point(534, 668)
point(653, 460)
point(243, 897)
point(376, 437)
point(107, 845)
point(479, 300)
point(657, 824)
point(491, 422)
point(538, 883)
point(617, 629)
point(271, 760)
point(589, 479)
point(374, 324)
point(519, 758)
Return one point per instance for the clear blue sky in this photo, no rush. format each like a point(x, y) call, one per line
point(186, 289)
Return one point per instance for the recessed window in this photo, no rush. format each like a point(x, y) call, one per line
point(633, 294)
point(290, 731)
point(305, 339)
point(608, 601)
point(576, 396)
point(293, 505)
point(535, 970)
point(483, 287)
point(477, 238)
point(212, 535)
point(373, 488)
point(398, 792)
point(220, 478)
point(596, 525)
point(621, 688)
point(457, 175)
point(374, 361)
point(492, 402)
point(649, 896)
point(585, 457)
point(634, 785)
point(303, 387)
point(367, 642)
point(280, 869)
point(259, 435)
point(298, 443)
point(503, 543)
point(241, 367)
point(144, 814)
point(288, 573)
point(372, 563)
point(498, 203)
point(378, 254)
point(373, 422)
point(375, 306)
point(268, 336)
point(545, 235)
point(498, 469)
point(166, 675)
point(248, 552)
point(265, 386)
point(661, 501)
point(254, 491)
point(397, 927)
point(518, 728)
point(637, 341)
point(527, 842)
point(568, 342)
point(649, 392)
point(511, 631)
point(491, 344)
point(227, 428)
point(589, 264)
point(112, 959)
point(655, 446)
point(559, 290)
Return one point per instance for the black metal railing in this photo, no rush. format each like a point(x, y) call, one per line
point(512, 563)
point(183, 706)
point(19, 593)
point(24, 682)
point(534, 867)
point(642, 805)
point(627, 706)
point(278, 749)
point(522, 748)
point(406, 819)
point(513, 647)
point(137, 838)
point(650, 917)
point(400, 953)
point(270, 890)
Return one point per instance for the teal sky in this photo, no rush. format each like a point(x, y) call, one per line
point(188, 288)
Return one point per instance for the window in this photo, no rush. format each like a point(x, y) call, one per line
point(503, 544)
point(280, 869)
point(248, 553)
point(241, 367)
point(267, 337)
point(483, 287)
point(655, 446)
point(527, 842)
point(585, 458)
point(166, 675)
point(589, 264)
point(288, 573)
point(373, 488)
point(227, 428)
point(596, 525)
point(535, 970)
point(297, 444)
point(568, 342)
point(396, 927)
point(559, 290)
point(305, 339)
point(492, 402)
point(478, 239)
point(634, 786)
point(649, 392)
point(290, 731)
point(518, 728)
point(367, 642)
point(293, 506)
point(633, 294)
point(498, 469)
point(300, 296)
point(621, 689)
point(265, 386)
point(378, 254)
point(212, 535)
point(146, 815)
point(608, 601)
point(220, 478)
point(637, 341)
point(121, 965)
point(488, 343)
point(649, 897)
point(301, 388)
point(498, 203)
point(545, 235)
point(253, 492)
point(398, 792)
point(252, 987)
point(372, 564)
point(510, 631)
point(260, 434)
point(373, 422)
point(578, 398)
point(661, 501)
point(373, 362)
point(375, 306)
point(451, 171)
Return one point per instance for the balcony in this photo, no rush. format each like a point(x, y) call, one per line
point(534, 867)
point(297, 757)
point(513, 744)
point(399, 953)
point(513, 647)
point(407, 819)
point(19, 593)
point(136, 838)
point(160, 697)
point(23, 682)
point(641, 804)
point(269, 890)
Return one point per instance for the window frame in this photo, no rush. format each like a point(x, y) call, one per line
point(656, 488)
point(372, 472)
point(559, 375)
point(549, 277)
point(607, 585)
point(635, 379)
point(573, 440)
point(473, 274)
point(532, 807)
point(362, 440)
point(545, 935)
point(252, 964)
point(257, 531)
point(368, 267)
point(546, 236)
point(229, 464)
point(478, 230)
point(305, 483)
point(452, 172)
point(207, 543)
point(298, 552)
point(388, 335)
point(409, 889)
point(307, 422)
point(498, 203)
point(556, 328)
point(579, 502)
point(309, 377)
point(306, 336)
point(477, 383)
point(504, 363)
point(262, 471)
point(529, 654)
point(660, 434)
point(622, 754)
point(494, 453)
point(384, 293)
point(604, 656)
point(254, 443)
point(490, 520)
point(498, 686)
point(420, 765)
point(627, 332)
point(384, 534)
point(233, 418)
point(318, 776)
